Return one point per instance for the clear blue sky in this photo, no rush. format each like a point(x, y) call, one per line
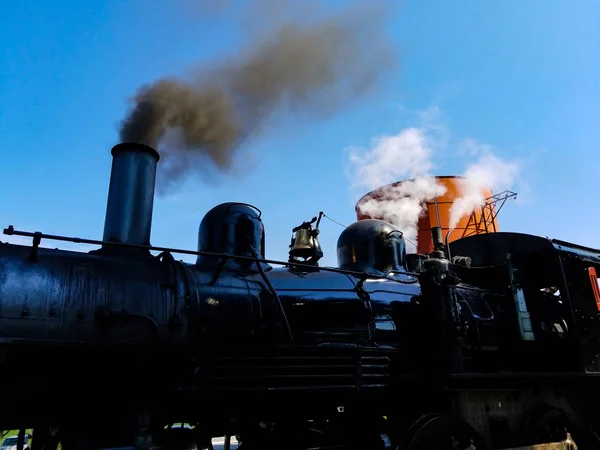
point(521, 76)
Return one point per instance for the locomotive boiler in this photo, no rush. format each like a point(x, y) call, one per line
point(491, 343)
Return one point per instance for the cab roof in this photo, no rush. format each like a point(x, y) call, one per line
point(491, 248)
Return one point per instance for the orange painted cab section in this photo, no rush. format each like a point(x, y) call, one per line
point(595, 285)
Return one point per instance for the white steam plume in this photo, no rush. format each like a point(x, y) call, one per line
point(409, 155)
point(402, 205)
point(489, 172)
point(393, 158)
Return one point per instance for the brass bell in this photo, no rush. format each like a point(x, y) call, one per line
point(305, 243)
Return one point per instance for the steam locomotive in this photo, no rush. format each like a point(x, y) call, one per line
point(491, 341)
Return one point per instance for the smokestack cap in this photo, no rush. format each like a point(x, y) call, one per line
point(128, 146)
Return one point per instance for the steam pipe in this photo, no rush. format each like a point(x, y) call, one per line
point(131, 194)
point(437, 212)
point(447, 245)
point(438, 243)
point(10, 231)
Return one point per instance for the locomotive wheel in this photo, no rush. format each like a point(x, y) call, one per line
point(440, 432)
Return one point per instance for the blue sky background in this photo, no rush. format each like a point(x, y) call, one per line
point(521, 76)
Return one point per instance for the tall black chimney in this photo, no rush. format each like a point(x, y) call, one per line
point(131, 194)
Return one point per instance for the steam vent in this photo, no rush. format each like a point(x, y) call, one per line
point(481, 220)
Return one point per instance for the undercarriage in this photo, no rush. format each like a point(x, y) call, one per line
point(283, 398)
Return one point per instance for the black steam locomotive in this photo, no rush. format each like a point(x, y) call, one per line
point(490, 342)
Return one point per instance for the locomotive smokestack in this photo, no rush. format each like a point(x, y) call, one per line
point(131, 194)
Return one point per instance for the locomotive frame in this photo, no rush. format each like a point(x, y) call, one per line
point(491, 343)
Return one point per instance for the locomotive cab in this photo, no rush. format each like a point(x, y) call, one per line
point(550, 310)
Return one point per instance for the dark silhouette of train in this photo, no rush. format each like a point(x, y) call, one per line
point(491, 341)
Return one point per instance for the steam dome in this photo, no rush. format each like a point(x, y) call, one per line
point(373, 246)
point(232, 228)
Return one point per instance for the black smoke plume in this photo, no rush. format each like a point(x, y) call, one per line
point(313, 66)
